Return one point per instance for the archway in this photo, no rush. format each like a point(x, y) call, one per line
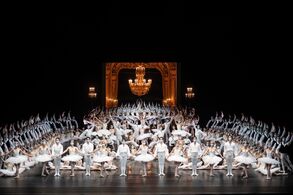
point(168, 71)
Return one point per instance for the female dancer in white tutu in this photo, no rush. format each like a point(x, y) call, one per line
point(73, 156)
point(176, 155)
point(17, 158)
point(245, 158)
point(269, 161)
point(101, 156)
point(210, 158)
point(144, 157)
point(44, 157)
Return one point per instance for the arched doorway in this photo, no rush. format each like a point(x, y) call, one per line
point(168, 72)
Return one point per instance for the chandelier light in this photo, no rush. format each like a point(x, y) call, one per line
point(189, 92)
point(92, 92)
point(140, 86)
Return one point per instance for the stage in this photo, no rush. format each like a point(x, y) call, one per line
point(30, 182)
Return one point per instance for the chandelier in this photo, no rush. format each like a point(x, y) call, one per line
point(140, 87)
point(92, 92)
point(189, 92)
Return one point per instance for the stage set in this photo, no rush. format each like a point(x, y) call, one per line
point(144, 144)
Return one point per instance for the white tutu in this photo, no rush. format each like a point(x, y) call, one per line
point(144, 158)
point(102, 158)
point(126, 131)
point(245, 160)
point(211, 159)
point(176, 158)
point(43, 158)
point(143, 136)
point(17, 159)
point(268, 160)
point(180, 132)
point(72, 158)
point(8, 172)
point(264, 171)
point(104, 132)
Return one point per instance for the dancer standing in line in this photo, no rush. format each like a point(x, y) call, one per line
point(210, 158)
point(101, 156)
point(73, 156)
point(123, 153)
point(194, 149)
point(144, 157)
point(245, 159)
point(57, 150)
point(161, 150)
point(44, 157)
point(229, 149)
point(17, 158)
point(87, 150)
point(176, 155)
point(269, 161)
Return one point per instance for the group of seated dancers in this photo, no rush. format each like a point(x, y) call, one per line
point(145, 133)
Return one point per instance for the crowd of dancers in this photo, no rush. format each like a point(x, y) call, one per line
point(144, 133)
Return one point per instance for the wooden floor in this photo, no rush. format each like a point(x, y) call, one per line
point(31, 182)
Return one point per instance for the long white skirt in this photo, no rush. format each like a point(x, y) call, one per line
point(245, 160)
point(144, 136)
point(176, 158)
point(102, 158)
point(209, 159)
point(268, 160)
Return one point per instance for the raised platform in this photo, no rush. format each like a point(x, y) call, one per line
point(31, 182)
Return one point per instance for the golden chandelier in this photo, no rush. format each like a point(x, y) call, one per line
point(140, 87)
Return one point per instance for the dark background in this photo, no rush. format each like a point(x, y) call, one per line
point(235, 63)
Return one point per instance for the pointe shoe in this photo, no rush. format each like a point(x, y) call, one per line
point(177, 175)
point(43, 175)
point(268, 178)
point(16, 177)
point(144, 175)
point(71, 175)
point(245, 176)
point(101, 175)
point(212, 175)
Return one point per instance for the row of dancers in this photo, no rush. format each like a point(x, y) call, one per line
point(179, 155)
point(143, 128)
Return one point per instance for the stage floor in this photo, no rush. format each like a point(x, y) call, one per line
point(30, 182)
